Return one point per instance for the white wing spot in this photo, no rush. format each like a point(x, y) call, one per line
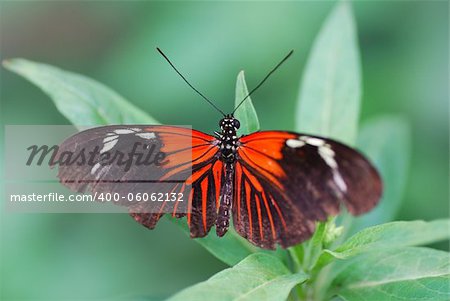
point(94, 168)
point(312, 140)
point(124, 131)
point(108, 145)
point(294, 143)
point(339, 181)
point(146, 135)
point(110, 138)
point(327, 155)
point(102, 171)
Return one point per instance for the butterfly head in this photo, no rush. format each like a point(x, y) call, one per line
point(229, 123)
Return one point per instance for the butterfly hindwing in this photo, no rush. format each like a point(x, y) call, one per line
point(286, 181)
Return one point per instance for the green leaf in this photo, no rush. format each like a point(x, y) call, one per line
point(258, 277)
point(230, 248)
point(394, 274)
point(309, 251)
point(331, 86)
point(80, 99)
point(246, 113)
point(390, 154)
point(395, 234)
point(313, 257)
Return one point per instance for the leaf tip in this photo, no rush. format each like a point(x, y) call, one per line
point(13, 64)
point(8, 63)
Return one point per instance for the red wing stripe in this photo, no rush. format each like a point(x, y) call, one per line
point(189, 209)
point(202, 155)
point(267, 174)
point(197, 174)
point(164, 203)
point(239, 185)
point(253, 180)
point(248, 171)
point(180, 168)
point(176, 204)
point(187, 157)
point(260, 152)
point(187, 148)
point(269, 214)
point(217, 177)
point(161, 208)
point(278, 211)
point(174, 171)
point(249, 211)
point(204, 187)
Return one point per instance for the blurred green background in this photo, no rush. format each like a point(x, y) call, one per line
point(404, 53)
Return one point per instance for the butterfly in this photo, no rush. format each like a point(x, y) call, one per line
point(273, 185)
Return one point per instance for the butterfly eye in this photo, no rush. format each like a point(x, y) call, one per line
point(236, 123)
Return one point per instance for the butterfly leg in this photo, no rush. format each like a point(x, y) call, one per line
point(226, 195)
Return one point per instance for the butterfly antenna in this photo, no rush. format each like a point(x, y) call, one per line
point(265, 78)
point(193, 88)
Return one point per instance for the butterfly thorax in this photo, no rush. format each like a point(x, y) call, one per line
point(229, 141)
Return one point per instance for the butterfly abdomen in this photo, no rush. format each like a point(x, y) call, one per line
point(223, 216)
